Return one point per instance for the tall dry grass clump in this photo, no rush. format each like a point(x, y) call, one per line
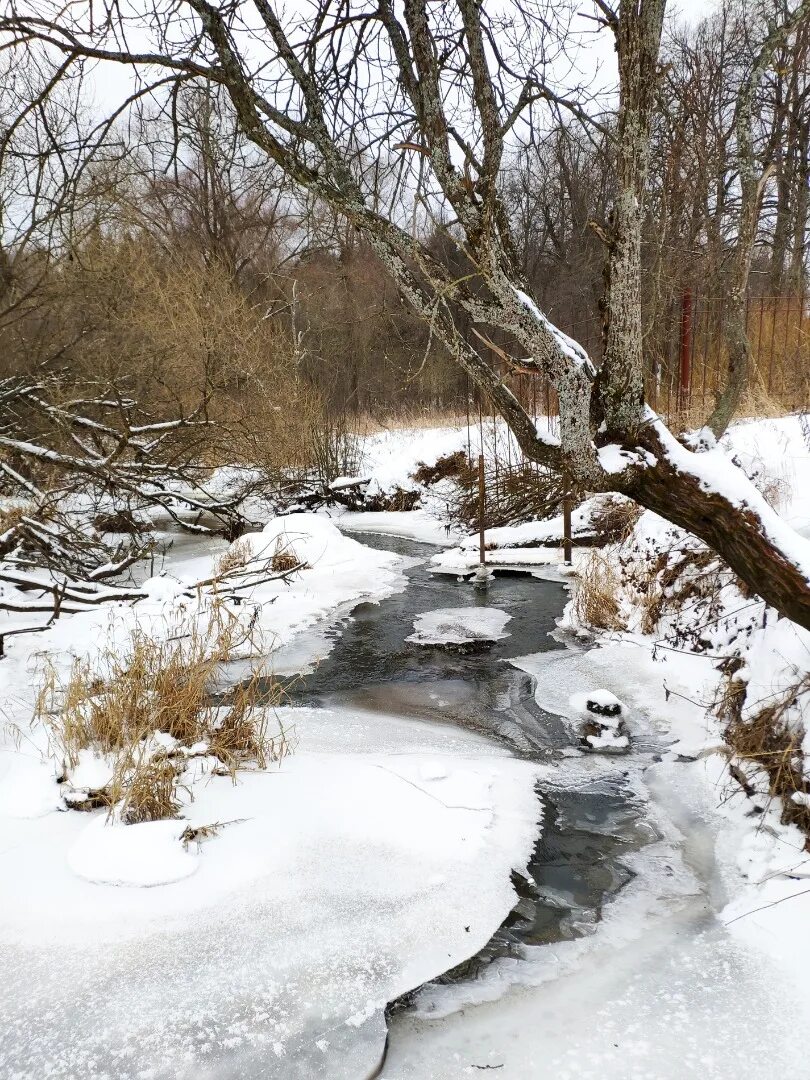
point(596, 595)
point(771, 736)
point(149, 704)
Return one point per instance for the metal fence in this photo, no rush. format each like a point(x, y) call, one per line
point(686, 358)
point(686, 365)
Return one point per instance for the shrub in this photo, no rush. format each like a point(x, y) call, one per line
point(116, 704)
point(595, 598)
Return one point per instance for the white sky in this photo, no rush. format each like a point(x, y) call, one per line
point(112, 82)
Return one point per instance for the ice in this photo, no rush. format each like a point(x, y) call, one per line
point(460, 626)
point(663, 987)
point(411, 524)
point(374, 858)
point(675, 1004)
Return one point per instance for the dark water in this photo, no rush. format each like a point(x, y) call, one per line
point(372, 666)
point(577, 863)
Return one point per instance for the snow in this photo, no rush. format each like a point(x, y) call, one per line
point(27, 785)
point(604, 699)
point(460, 626)
point(149, 854)
point(569, 348)
point(715, 471)
point(375, 857)
point(410, 524)
point(93, 771)
point(380, 853)
point(608, 740)
point(662, 986)
point(615, 459)
point(716, 917)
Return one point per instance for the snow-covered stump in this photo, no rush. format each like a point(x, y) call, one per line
point(602, 726)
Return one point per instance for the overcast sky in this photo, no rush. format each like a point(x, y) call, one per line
point(113, 82)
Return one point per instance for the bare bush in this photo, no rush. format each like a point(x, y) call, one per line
point(149, 703)
point(771, 736)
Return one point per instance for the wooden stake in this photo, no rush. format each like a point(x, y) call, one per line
point(481, 509)
point(567, 545)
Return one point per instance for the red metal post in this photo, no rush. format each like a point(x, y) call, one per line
point(686, 346)
point(482, 548)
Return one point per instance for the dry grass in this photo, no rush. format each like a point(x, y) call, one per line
point(145, 789)
point(407, 419)
point(615, 518)
point(595, 599)
point(284, 558)
point(10, 516)
point(115, 704)
point(772, 738)
point(236, 557)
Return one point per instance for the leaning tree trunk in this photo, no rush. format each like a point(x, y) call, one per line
point(764, 552)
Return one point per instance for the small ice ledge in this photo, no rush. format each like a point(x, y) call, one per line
point(460, 626)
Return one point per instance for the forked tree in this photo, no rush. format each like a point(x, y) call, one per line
point(332, 87)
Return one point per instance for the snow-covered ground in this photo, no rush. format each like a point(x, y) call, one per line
point(376, 856)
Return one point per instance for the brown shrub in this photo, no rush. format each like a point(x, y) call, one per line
point(773, 739)
point(450, 466)
point(116, 704)
point(615, 518)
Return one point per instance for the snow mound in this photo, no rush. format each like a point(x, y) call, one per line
point(459, 626)
point(27, 787)
point(144, 855)
point(598, 703)
point(92, 773)
point(312, 538)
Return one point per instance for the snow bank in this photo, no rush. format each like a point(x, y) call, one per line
point(108, 853)
point(376, 857)
point(533, 543)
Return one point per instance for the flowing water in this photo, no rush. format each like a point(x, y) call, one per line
point(577, 862)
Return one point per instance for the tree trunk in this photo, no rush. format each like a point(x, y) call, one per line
point(748, 537)
point(621, 378)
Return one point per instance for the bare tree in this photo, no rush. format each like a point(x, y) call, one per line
point(752, 182)
point(323, 92)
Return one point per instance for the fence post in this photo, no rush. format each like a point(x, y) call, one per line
point(686, 347)
point(567, 545)
point(482, 557)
